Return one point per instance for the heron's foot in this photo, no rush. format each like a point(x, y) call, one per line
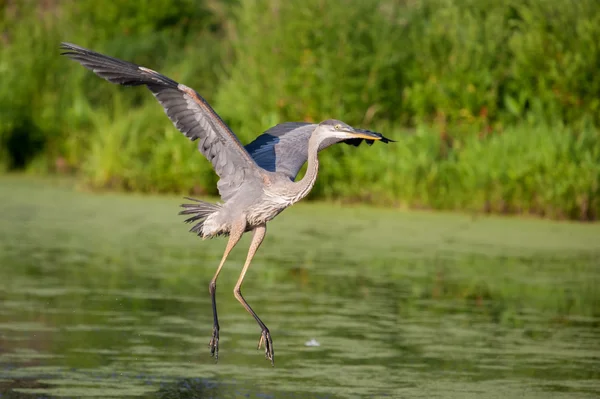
point(265, 337)
point(214, 343)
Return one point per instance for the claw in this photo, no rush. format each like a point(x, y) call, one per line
point(265, 337)
point(214, 343)
point(260, 342)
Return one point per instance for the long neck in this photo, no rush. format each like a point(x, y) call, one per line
point(306, 184)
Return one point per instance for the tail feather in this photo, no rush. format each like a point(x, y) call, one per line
point(200, 211)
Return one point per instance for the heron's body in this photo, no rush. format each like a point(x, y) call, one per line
point(259, 203)
point(257, 182)
point(259, 206)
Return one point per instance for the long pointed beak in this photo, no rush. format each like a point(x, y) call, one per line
point(364, 135)
point(369, 135)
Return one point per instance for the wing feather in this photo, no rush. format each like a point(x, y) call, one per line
point(284, 147)
point(188, 111)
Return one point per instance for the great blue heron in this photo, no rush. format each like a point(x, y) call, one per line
point(256, 182)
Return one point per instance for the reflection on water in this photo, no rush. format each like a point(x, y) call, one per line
point(104, 296)
point(73, 341)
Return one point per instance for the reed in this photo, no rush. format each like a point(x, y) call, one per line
point(495, 106)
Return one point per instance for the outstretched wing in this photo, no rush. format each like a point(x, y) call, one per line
point(188, 111)
point(284, 147)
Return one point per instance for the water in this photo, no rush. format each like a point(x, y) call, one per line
point(91, 310)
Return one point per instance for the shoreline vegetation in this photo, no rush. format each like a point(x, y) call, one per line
point(494, 106)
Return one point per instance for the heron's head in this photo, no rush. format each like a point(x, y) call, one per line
point(333, 130)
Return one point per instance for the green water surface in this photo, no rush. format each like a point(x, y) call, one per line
point(106, 295)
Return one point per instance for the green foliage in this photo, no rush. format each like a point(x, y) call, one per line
point(311, 60)
point(143, 152)
point(503, 95)
point(548, 171)
point(51, 107)
point(469, 62)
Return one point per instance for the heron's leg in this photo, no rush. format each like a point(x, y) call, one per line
point(257, 238)
point(234, 237)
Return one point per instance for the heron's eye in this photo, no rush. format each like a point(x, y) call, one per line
point(338, 126)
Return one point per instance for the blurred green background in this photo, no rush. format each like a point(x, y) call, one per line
point(495, 104)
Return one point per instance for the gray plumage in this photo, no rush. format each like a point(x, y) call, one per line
point(284, 147)
point(256, 182)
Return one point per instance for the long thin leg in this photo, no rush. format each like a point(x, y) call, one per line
point(257, 238)
point(234, 238)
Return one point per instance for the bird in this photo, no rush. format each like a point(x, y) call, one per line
point(256, 181)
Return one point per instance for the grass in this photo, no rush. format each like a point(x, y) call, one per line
point(502, 266)
point(502, 98)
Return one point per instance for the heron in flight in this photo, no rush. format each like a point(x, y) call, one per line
point(256, 181)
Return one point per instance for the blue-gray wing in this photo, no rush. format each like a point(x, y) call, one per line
point(188, 111)
point(283, 148)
